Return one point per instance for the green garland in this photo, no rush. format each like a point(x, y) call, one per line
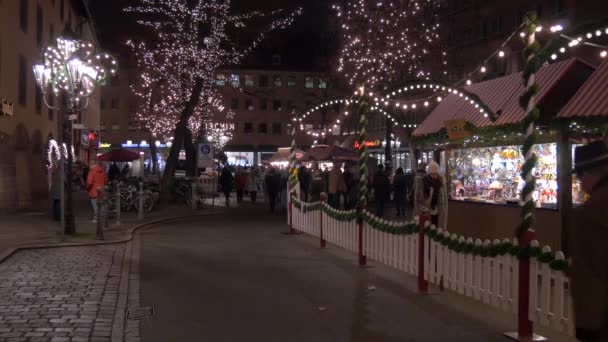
point(339, 214)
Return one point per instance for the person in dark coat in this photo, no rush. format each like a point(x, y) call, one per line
point(113, 172)
point(348, 183)
point(382, 190)
point(55, 190)
point(589, 245)
point(226, 182)
point(409, 187)
point(304, 179)
point(399, 191)
point(273, 186)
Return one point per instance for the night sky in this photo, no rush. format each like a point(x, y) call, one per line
point(309, 44)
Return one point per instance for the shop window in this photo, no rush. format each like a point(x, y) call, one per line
point(235, 80)
point(235, 104)
point(249, 104)
point(39, 19)
point(322, 83)
point(263, 104)
point(249, 81)
point(277, 81)
point(262, 128)
point(220, 80)
point(310, 83)
point(248, 127)
point(276, 128)
point(492, 174)
point(277, 106)
point(23, 14)
point(291, 81)
point(263, 81)
point(22, 81)
point(115, 103)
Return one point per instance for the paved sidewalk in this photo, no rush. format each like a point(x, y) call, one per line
point(33, 229)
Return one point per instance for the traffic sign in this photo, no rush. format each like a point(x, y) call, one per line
point(205, 156)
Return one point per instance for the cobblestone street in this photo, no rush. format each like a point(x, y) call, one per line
point(60, 294)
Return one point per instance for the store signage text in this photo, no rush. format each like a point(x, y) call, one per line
point(369, 143)
point(105, 145)
point(6, 108)
point(209, 126)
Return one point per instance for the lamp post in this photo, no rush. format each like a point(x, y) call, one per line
point(71, 69)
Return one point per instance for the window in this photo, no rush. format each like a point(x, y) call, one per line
point(249, 104)
point(264, 104)
point(115, 127)
point(310, 83)
point(263, 81)
point(22, 81)
point(221, 80)
point(559, 7)
point(291, 81)
point(322, 83)
point(277, 105)
point(249, 81)
point(102, 104)
point(39, 19)
point(38, 100)
point(235, 80)
point(248, 127)
point(276, 60)
point(114, 103)
point(263, 128)
point(23, 14)
point(235, 104)
point(50, 111)
point(276, 128)
point(277, 81)
point(61, 9)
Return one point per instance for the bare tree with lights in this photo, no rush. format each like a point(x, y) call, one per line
point(194, 38)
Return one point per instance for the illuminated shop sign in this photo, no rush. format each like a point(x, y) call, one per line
point(214, 125)
point(369, 143)
point(6, 109)
point(142, 144)
point(105, 145)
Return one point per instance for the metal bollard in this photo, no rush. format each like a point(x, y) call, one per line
point(99, 232)
point(118, 203)
point(140, 213)
point(106, 211)
point(194, 196)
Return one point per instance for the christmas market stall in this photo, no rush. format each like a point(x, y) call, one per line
point(281, 157)
point(482, 157)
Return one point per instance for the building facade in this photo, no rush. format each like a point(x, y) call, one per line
point(26, 124)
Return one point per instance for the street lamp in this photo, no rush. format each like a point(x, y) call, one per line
point(72, 69)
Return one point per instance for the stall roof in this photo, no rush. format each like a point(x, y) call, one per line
point(327, 153)
point(592, 98)
point(284, 154)
point(501, 95)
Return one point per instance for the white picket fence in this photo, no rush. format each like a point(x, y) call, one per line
point(490, 280)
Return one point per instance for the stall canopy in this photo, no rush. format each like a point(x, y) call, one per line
point(119, 155)
point(501, 95)
point(327, 153)
point(591, 100)
point(283, 154)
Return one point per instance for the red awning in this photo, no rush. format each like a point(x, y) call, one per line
point(592, 98)
point(119, 155)
point(501, 95)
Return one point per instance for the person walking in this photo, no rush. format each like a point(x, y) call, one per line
point(253, 184)
point(399, 191)
point(589, 245)
point(431, 196)
point(382, 189)
point(55, 190)
point(96, 179)
point(317, 185)
point(226, 182)
point(113, 172)
point(336, 186)
point(240, 181)
point(273, 186)
point(304, 179)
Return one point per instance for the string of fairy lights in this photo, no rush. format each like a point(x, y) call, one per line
point(390, 106)
point(192, 40)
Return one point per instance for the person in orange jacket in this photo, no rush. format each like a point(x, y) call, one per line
point(97, 178)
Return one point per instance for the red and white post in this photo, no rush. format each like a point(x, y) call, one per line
point(423, 285)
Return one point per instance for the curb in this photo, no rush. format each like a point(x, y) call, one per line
point(11, 251)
